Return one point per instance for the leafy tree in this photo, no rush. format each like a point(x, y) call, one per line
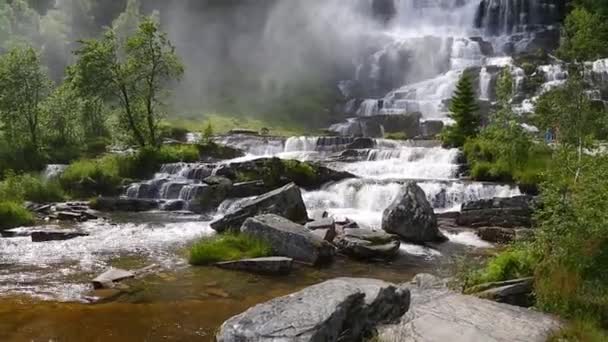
point(135, 83)
point(23, 87)
point(463, 110)
point(584, 36)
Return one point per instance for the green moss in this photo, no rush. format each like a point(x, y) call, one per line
point(14, 215)
point(227, 248)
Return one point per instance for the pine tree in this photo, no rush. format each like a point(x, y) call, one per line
point(464, 111)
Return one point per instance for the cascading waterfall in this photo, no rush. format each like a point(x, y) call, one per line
point(485, 79)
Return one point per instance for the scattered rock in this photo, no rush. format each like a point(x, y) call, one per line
point(68, 216)
point(328, 235)
point(362, 143)
point(271, 265)
point(289, 239)
point(342, 309)
point(411, 217)
point(438, 314)
point(124, 204)
point(111, 276)
point(248, 189)
point(367, 244)
point(211, 196)
point(286, 201)
point(503, 235)
point(497, 212)
point(515, 292)
point(324, 223)
point(56, 235)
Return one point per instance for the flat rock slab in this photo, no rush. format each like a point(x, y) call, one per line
point(440, 315)
point(55, 235)
point(323, 223)
point(111, 276)
point(270, 265)
point(339, 309)
point(289, 239)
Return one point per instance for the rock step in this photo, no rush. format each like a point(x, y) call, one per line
point(269, 265)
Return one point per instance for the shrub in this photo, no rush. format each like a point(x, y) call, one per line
point(92, 177)
point(226, 248)
point(515, 262)
point(30, 188)
point(14, 215)
point(580, 331)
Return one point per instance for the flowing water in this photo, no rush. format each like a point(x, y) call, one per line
point(45, 287)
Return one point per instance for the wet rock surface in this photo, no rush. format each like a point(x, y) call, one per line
point(124, 204)
point(497, 212)
point(411, 217)
point(368, 244)
point(515, 292)
point(56, 235)
point(343, 309)
point(286, 202)
point(289, 239)
point(270, 265)
point(438, 314)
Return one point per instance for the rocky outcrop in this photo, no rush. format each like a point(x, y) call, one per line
point(515, 292)
point(498, 212)
point(124, 204)
point(289, 239)
point(209, 196)
point(411, 217)
point(269, 265)
point(275, 171)
point(342, 309)
point(248, 189)
point(56, 235)
point(438, 314)
point(286, 202)
point(368, 244)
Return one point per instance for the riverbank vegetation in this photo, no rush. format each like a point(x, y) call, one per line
point(568, 254)
point(228, 247)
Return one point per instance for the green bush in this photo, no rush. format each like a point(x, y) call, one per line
point(14, 215)
point(226, 248)
point(580, 331)
point(91, 177)
point(515, 262)
point(26, 187)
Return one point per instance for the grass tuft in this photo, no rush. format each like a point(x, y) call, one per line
point(14, 215)
point(228, 247)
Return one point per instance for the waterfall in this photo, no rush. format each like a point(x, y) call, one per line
point(53, 171)
point(485, 79)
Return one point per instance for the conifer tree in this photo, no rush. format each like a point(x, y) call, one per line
point(464, 111)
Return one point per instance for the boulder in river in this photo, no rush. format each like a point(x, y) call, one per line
point(56, 235)
point(289, 239)
point(367, 244)
point(497, 212)
point(341, 309)
point(210, 196)
point(111, 276)
point(286, 201)
point(269, 265)
point(438, 314)
point(411, 217)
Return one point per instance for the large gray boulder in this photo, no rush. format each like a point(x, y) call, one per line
point(289, 239)
point(286, 201)
point(438, 314)
point(368, 244)
point(342, 309)
point(411, 217)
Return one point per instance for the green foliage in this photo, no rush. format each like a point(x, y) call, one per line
point(19, 188)
point(208, 133)
point(515, 262)
point(91, 177)
point(23, 87)
point(13, 215)
point(168, 131)
point(572, 238)
point(131, 73)
point(568, 111)
point(584, 36)
point(211, 151)
point(580, 331)
point(463, 110)
point(227, 248)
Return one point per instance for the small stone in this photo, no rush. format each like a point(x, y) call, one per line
point(56, 235)
point(111, 276)
point(217, 293)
